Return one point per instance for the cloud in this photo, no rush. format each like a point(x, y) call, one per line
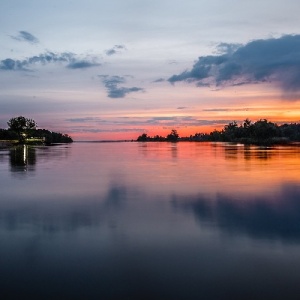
point(226, 109)
point(112, 85)
point(83, 119)
point(159, 80)
point(82, 64)
point(183, 121)
point(11, 64)
point(169, 121)
point(225, 48)
point(72, 60)
point(115, 49)
point(100, 130)
point(45, 58)
point(275, 60)
point(24, 36)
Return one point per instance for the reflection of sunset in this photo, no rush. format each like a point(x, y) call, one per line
point(215, 168)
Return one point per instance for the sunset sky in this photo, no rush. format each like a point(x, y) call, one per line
point(115, 69)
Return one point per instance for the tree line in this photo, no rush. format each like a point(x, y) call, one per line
point(248, 132)
point(25, 130)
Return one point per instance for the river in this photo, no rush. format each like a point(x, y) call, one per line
point(150, 221)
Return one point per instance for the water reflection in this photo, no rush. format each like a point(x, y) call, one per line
point(22, 159)
point(249, 152)
point(275, 216)
point(271, 217)
point(58, 215)
point(155, 221)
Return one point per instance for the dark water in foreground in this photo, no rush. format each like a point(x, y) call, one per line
point(150, 221)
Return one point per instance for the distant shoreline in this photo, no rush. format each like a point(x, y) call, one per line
point(259, 144)
point(8, 144)
point(106, 141)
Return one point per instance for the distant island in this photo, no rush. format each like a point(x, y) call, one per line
point(22, 130)
point(261, 132)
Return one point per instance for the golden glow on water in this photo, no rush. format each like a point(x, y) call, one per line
point(212, 168)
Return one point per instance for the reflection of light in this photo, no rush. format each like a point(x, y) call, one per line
point(25, 154)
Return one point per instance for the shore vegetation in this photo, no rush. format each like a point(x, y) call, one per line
point(22, 130)
point(261, 132)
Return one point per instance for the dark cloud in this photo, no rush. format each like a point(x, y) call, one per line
point(48, 57)
point(115, 49)
point(112, 85)
point(11, 64)
point(181, 107)
point(73, 61)
point(83, 64)
point(159, 80)
point(274, 60)
point(26, 37)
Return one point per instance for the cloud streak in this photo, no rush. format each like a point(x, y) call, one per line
point(275, 60)
point(114, 90)
point(115, 49)
point(24, 36)
point(82, 64)
point(178, 121)
point(72, 60)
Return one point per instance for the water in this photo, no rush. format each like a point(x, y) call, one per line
point(150, 221)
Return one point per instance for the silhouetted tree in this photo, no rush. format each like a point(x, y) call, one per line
point(21, 126)
point(173, 136)
point(259, 132)
point(8, 135)
point(51, 137)
point(217, 136)
point(291, 131)
point(264, 130)
point(143, 138)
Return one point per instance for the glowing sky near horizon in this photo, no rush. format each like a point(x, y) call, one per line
point(116, 69)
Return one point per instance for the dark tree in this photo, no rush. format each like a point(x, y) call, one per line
point(143, 138)
point(21, 126)
point(173, 136)
point(264, 130)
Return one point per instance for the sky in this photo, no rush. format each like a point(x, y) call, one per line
point(108, 70)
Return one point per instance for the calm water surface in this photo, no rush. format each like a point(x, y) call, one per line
point(150, 221)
